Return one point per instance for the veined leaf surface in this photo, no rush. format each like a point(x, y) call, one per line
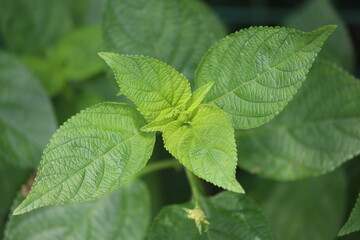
point(93, 153)
point(204, 143)
point(317, 132)
point(257, 71)
point(157, 89)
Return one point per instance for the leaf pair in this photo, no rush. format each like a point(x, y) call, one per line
point(255, 72)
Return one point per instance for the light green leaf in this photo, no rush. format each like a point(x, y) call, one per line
point(302, 210)
point(204, 143)
point(122, 215)
point(231, 216)
point(317, 13)
point(11, 179)
point(76, 53)
point(317, 132)
point(29, 27)
point(198, 96)
point(26, 116)
point(177, 32)
point(157, 89)
point(158, 125)
point(353, 223)
point(257, 71)
point(92, 154)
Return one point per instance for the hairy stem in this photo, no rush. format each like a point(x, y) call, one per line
point(194, 186)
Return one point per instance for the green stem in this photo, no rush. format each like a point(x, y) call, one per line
point(160, 165)
point(193, 181)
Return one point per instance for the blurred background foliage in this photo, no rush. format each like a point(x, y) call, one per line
point(58, 41)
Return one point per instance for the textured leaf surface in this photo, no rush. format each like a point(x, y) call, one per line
point(257, 71)
point(76, 53)
point(231, 216)
point(205, 145)
point(26, 116)
point(93, 153)
point(353, 223)
point(305, 209)
point(10, 180)
point(318, 131)
point(198, 96)
point(316, 13)
point(177, 32)
point(122, 215)
point(29, 27)
point(157, 89)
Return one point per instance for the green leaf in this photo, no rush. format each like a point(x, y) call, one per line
point(11, 179)
point(122, 215)
point(92, 154)
point(160, 125)
point(30, 27)
point(177, 32)
point(305, 209)
point(353, 223)
point(157, 89)
point(317, 132)
point(316, 13)
point(26, 116)
point(76, 53)
point(203, 141)
point(257, 71)
point(231, 216)
point(198, 96)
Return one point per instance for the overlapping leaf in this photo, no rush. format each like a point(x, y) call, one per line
point(26, 116)
point(316, 13)
point(203, 141)
point(257, 71)
point(177, 32)
point(157, 89)
point(122, 215)
point(93, 153)
point(29, 27)
point(353, 223)
point(318, 131)
point(231, 216)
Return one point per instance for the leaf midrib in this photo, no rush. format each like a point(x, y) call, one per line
point(261, 74)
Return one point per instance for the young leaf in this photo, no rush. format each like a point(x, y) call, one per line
point(305, 209)
point(317, 132)
point(204, 143)
point(26, 116)
point(317, 13)
point(198, 96)
point(93, 153)
point(231, 216)
point(29, 27)
point(353, 223)
point(257, 71)
point(157, 89)
point(122, 215)
point(158, 125)
point(177, 32)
